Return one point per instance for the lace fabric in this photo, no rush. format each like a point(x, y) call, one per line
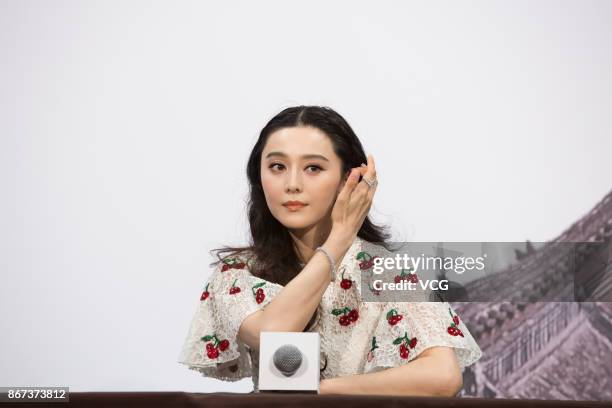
point(357, 337)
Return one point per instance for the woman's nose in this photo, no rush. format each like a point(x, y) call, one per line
point(294, 181)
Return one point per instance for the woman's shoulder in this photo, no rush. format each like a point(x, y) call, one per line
point(364, 250)
point(242, 264)
point(227, 265)
point(236, 258)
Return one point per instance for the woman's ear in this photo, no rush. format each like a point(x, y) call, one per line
point(346, 176)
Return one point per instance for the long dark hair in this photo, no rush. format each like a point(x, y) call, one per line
point(271, 252)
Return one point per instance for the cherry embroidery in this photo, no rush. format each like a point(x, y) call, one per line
point(366, 260)
point(348, 315)
point(371, 352)
point(234, 289)
point(212, 349)
point(345, 283)
point(403, 276)
point(234, 263)
point(393, 317)
point(404, 344)
point(259, 293)
point(205, 294)
point(453, 329)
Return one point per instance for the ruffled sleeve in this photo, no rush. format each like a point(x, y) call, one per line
point(405, 329)
point(212, 346)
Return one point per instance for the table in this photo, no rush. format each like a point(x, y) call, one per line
point(295, 400)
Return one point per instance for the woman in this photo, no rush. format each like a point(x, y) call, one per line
point(312, 244)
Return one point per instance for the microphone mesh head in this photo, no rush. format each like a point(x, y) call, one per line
point(287, 359)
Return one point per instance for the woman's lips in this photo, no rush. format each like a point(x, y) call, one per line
point(295, 207)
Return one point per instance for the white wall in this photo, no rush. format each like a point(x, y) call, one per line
point(125, 128)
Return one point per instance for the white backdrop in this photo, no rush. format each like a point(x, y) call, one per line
point(126, 125)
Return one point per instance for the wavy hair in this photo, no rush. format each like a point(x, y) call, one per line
point(271, 254)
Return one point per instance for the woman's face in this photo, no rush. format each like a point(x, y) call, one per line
point(299, 164)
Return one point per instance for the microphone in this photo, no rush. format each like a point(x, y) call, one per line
point(289, 361)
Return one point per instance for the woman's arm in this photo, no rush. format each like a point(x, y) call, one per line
point(292, 308)
point(435, 372)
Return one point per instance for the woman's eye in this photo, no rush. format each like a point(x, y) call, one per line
point(280, 167)
point(275, 164)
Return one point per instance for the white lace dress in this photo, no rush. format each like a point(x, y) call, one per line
point(357, 337)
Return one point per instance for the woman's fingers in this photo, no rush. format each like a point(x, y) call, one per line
point(349, 186)
point(370, 168)
point(368, 172)
point(366, 191)
point(371, 192)
point(355, 199)
point(355, 187)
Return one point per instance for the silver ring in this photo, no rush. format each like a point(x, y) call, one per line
point(370, 183)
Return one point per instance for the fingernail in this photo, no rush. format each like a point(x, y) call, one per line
point(363, 165)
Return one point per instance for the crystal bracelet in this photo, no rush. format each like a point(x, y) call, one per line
point(331, 263)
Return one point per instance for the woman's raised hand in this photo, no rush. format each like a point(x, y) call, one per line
point(354, 201)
